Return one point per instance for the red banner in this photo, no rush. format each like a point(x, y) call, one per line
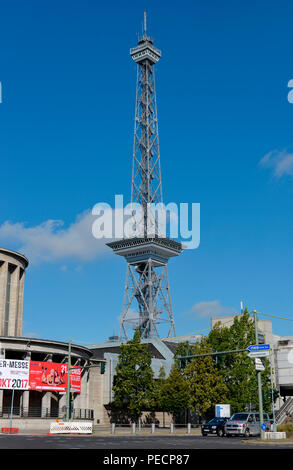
point(53, 376)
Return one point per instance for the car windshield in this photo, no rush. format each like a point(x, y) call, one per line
point(239, 417)
point(215, 421)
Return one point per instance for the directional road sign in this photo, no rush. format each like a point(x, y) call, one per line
point(259, 353)
point(259, 347)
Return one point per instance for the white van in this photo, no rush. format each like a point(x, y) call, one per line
point(245, 424)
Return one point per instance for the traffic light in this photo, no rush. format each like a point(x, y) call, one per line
point(219, 360)
point(102, 367)
point(185, 360)
point(267, 394)
point(182, 363)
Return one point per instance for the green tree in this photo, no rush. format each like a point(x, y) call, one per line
point(182, 352)
point(205, 382)
point(174, 395)
point(134, 385)
point(158, 401)
point(238, 369)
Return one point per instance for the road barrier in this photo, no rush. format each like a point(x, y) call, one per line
point(71, 427)
point(275, 435)
point(9, 430)
point(134, 429)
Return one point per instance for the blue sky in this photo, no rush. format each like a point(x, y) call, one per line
point(68, 92)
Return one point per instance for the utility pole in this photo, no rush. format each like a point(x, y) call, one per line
point(272, 392)
point(68, 404)
point(260, 404)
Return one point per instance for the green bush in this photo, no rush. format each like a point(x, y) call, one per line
point(288, 428)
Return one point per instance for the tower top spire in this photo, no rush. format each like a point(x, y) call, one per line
point(145, 22)
point(145, 48)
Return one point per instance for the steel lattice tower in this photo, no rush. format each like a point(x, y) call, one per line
point(148, 254)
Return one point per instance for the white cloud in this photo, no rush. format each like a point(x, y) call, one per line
point(83, 240)
point(281, 162)
point(210, 308)
point(51, 241)
point(131, 315)
point(31, 335)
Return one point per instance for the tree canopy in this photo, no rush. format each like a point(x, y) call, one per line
point(134, 385)
point(194, 383)
point(205, 381)
point(238, 369)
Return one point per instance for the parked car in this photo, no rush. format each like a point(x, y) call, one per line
point(214, 426)
point(245, 424)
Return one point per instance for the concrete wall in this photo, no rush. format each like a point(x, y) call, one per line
point(285, 366)
point(32, 424)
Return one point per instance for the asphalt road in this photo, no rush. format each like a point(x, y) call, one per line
point(18, 441)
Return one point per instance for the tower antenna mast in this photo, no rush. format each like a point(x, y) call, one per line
point(147, 301)
point(145, 22)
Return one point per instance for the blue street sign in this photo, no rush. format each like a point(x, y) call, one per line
point(264, 426)
point(259, 347)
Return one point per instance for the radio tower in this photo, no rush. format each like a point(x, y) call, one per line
point(147, 301)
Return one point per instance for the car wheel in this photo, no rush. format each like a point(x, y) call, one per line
point(220, 432)
point(246, 433)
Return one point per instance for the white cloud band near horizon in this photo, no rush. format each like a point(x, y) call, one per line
point(210, 308)
point(85, 239)
point(51, 241)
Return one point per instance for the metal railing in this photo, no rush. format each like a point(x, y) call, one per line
point(136, 428)
point(43, 412)
point(285, 410)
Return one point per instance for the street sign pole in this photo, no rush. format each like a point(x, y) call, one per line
point(11, 407)
point(68, 398)
point(260, 404)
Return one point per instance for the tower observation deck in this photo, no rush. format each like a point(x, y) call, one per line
point(147, 301)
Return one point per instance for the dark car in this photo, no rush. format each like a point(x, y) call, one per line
point(214, 426)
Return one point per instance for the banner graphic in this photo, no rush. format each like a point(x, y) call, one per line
point(38, 375)
point(14, 374)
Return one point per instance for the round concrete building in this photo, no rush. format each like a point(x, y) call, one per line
point(12, 272)
point(33, 405)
